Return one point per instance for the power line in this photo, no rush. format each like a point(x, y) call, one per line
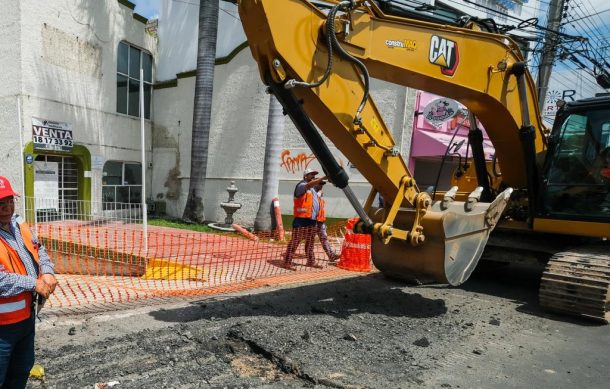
point(589, 16)
point(592, 35)
point(582, 11)
point(523, 21)
point(585, 45)
point(599, 17)
point(593, 29)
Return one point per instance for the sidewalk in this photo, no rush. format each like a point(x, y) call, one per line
point(100, 266)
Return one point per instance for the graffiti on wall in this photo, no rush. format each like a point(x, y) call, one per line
point(297, 163)
point(302, 160)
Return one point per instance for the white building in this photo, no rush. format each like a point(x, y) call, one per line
point(65, 99)
point(239, 122)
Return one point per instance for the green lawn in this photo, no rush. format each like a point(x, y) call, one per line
point(287, 221)
point(176, 223)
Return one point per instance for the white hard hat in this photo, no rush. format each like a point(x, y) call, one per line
point(310, 171)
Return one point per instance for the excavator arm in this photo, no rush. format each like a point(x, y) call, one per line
point(318, 65)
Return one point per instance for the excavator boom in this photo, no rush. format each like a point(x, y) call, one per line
point(318, 63)
point(318, 60)
point(470, 66)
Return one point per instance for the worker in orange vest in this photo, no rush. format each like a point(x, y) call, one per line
point(322, 233)
point(26, 275)
point(305, 224)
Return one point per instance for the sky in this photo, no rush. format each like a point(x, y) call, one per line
point(596, 28)
point(148, 8)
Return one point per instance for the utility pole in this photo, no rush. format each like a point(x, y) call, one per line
point(549, 49)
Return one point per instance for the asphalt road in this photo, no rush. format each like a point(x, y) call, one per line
point(361, 332)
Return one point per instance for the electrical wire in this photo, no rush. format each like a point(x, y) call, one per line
point(333, 42)
point(565, 41)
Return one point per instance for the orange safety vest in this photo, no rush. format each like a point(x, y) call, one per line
point(303, 206)
point(14, 309)
point(321, 212)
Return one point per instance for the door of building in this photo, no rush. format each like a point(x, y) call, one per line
point(56, 187)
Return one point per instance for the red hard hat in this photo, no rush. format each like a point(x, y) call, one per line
point(6, 190)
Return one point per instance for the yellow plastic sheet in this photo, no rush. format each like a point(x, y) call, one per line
point(159, 269)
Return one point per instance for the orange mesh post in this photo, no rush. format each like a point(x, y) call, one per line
point(281, 233)
point(244, 232)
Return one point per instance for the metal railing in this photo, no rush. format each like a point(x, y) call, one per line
point(49, 210)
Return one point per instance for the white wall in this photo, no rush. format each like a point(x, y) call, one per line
point(10, 147)
point(10, 48)
point(10, 79)
point(239, 120)
point(66, 67)
point(237, 142)
point(178, 29)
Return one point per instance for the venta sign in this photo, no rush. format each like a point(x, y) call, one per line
point(50, 135)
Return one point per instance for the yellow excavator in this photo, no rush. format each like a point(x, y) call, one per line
point(546, 194)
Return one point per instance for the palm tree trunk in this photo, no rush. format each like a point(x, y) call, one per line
point(271, 171)
point(202, 110)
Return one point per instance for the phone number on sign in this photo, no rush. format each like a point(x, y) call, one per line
point(52, 141)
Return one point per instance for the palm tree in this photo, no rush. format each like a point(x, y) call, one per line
point(202, 110)
point(271, 170)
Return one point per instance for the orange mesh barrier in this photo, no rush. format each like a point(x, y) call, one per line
point(99, 264)
point(356, 250)
point(356, 253)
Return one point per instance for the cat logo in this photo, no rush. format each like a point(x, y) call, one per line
point(444, 53)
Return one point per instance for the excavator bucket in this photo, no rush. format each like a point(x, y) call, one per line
point(456, 233)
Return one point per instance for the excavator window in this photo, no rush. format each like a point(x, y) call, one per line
point(576, 185)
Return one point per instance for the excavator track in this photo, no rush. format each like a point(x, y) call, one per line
point(577, 282)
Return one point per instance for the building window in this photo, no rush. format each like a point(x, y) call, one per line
point(129, 61)
point(121, 183)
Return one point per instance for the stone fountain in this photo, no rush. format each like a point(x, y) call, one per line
point(230, 207)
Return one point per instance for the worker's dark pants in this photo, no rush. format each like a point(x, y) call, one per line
point(302, 229)
point(16, 353)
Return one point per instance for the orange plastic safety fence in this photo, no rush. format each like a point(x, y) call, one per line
point(110, 263)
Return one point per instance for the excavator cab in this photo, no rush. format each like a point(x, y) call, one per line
point(574, 201)
point(576, 176)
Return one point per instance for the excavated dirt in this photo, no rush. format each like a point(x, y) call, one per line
point(362, 332)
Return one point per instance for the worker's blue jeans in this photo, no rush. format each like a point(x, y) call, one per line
point(16, 353)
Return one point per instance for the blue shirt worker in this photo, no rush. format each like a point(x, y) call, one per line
point(305, 224)
point(26, 274)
